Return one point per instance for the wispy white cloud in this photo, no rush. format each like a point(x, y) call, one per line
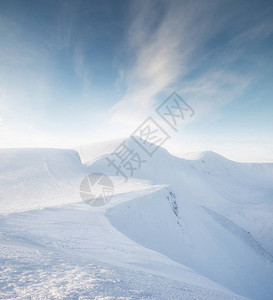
point(82, 71)
point(214, 89)
point(163, 45)
point(166, 53)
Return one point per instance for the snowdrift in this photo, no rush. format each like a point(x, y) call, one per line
point(203, 221)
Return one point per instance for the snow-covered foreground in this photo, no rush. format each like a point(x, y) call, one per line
point(195, 228)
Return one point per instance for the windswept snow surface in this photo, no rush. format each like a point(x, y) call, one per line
point(196, 228)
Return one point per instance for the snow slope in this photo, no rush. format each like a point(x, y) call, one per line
point(196, 228)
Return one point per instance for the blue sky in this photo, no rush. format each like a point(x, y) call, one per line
point(74, 72)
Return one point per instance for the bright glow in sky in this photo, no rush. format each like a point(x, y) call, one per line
point(76, 72)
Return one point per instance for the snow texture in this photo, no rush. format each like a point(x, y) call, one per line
point(199, 227)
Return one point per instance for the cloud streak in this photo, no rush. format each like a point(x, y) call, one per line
point(162, 49)
point(171, 44)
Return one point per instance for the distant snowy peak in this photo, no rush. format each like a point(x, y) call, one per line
point(163, 166)
point(92, 152)
point(204, 155)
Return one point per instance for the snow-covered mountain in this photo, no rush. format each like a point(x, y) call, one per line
point(199, 227)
